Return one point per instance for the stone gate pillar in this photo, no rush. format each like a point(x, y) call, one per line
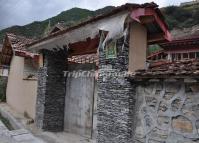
point(116, 98)
point(51, 91)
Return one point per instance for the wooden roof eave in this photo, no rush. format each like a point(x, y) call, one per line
point(150, 16)
point(129, 7)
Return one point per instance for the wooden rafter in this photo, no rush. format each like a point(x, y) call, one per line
point(147, 19)
point(156, 37)
point(84, 47)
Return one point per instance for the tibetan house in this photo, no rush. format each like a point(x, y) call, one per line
point(22, 77)
point(96, 107)
point(176, 50)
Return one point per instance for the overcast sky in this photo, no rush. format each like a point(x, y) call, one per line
point(21, 12)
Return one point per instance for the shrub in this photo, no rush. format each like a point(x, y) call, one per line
point(6, 122)
point(3, 85)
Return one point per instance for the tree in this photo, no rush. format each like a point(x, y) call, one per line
point(47, 29)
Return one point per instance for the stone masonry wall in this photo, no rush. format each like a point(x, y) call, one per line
point(51, 91)
point(40, 102)
point(167, 112)
point(115, 98)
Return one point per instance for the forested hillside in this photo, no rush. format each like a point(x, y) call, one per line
point(176, 17)
point(181, 17)
point(69, 17)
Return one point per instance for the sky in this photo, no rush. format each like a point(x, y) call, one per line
point(21, 12)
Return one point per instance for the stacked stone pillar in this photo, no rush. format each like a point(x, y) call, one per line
point(51, 91)
point(116, 97)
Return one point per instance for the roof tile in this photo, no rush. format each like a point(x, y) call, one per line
point(177, 68)
point(19, 42)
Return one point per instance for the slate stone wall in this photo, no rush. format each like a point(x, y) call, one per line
point(116, 98)
point(168, 112)
point(51, 91)
point(40, 102)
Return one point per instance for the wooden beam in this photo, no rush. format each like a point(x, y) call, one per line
point(41, 60)
point(140, 12)
point(156, 38)
point(84, 47)
point(147, 19)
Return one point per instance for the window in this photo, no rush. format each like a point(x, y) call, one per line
point(192, 55)
point(185, 56)
point(179, 56)
point(197, 55)
point(30, 68)
point(173, 56)
point(111, 51)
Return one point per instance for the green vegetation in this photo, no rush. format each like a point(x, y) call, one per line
point(178, 17)
point(181, 17)
point(153, 48)
point(6, 122)
point(3, 84)
point(37, 29)
point(175, 16)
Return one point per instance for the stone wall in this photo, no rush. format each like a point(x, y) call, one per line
point(51, 91)
point(167, 112)
point(115, 98)
point(40, 102)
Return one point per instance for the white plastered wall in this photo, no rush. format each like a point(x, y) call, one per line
point(21, 94)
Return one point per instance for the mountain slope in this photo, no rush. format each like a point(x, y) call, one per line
point(177, 18)
point(183, 21)
point(181, 16)
point(70, 17)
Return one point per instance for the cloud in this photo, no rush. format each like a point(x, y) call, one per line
point(95, 4)
point(20, 12)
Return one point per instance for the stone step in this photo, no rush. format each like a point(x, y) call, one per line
point(24, 137)
point(19, 132)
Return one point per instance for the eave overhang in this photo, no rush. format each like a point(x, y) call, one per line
point(157, 28)
point(181, 44)
point(148, 15)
